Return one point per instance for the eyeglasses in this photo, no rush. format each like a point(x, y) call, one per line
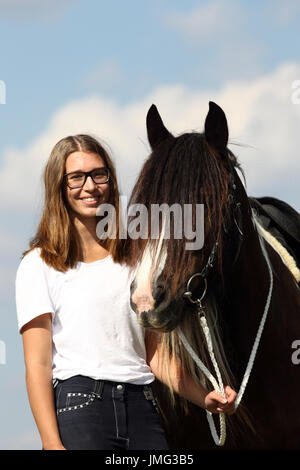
point(77, 179)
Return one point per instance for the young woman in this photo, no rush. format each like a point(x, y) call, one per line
point(88, 375)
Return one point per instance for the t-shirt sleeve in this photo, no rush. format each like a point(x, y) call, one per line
point(32, 291)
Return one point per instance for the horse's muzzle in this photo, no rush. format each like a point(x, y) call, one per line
point(164, 315)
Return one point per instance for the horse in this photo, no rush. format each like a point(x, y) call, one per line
point(236, 277)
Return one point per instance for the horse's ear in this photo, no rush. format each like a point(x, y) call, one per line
point(155, 127)
point(216, 128)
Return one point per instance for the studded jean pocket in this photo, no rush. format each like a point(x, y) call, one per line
point(77, 401)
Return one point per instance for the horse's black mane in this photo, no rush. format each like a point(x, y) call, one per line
point(187, 171)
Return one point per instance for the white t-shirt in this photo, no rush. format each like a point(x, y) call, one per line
point(95, 332)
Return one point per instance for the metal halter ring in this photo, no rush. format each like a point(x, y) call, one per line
point(188, 294)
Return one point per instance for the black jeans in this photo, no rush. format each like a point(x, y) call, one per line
point(103, 415)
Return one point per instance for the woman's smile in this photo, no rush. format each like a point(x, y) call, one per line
point(93, 201)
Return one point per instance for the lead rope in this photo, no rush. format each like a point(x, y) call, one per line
point(218, 385)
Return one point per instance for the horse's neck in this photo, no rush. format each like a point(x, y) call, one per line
point(246, 291)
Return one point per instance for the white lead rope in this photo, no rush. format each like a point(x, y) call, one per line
point(218, 384)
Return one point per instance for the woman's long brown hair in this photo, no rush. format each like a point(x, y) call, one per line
point(56, 235)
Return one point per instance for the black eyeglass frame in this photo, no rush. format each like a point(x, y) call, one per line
point(86, 175)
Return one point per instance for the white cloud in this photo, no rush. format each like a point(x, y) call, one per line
point(118, 127)
point(32, 10)
point(218, 33)
point(207, 21)
point(104, 75)
point(260, 114)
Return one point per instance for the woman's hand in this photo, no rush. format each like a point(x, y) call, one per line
point(215, 403)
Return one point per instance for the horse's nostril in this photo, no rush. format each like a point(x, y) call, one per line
point(159, 287)
point(158, 292)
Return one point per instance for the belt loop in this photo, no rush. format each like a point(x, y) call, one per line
point(148, 392)
point(55, 382)
point(149, 395)
point(98, 389)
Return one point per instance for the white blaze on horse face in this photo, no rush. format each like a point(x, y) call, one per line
point(146, 273)
point(142, 296)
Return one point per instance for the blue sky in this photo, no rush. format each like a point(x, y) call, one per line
point(47, 60)
point(72, 66)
